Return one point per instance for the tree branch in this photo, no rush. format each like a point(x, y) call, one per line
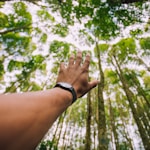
point(14, 29)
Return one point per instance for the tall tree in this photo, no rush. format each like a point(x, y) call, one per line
point(102, 137)
point(88, 123)
point(131, 98)
point(114, 129)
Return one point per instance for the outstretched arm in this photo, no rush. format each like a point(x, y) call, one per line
point(26, 117)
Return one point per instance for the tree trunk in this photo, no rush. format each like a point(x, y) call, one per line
point(94, 118)
point(64, 135)
point(126, 133)
point(113, 126)
point(56, 138)
point(70, 141)
point(131, 99)
point(54, 135)
point(144, 119)
point(88, 123)
point(102, 138)
point(140, 90)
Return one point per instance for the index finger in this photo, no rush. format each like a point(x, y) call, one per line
point(87, 61)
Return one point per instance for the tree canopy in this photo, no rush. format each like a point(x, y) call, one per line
point(35, 36)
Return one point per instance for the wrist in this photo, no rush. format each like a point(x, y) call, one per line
point(65, 96)
point(68, 87)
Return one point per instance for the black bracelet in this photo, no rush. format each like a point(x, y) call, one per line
point(68, 87)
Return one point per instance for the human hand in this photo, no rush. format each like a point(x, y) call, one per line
point(77, 74)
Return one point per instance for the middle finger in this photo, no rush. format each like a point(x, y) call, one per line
point(79, 58)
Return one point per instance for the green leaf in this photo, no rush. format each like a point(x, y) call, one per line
point(22, 17)
point(43, 67)
point(35, 87)
point(105, 27)
point(20, 8)
point(25, 85)
point(44, 15)
point(60, 29)
point(145, 43)
point(146, 80)
point(29, 66)
point(136, 32)
point(1, 69)
point(15, 65)
point(3, 20)
point(58, 46)
point(38, 59)
point(44, 38)
point(12, 40)
point(111, 76)
point(103, 47)
point(127, 45)
point(124, 48)
point(11, 88)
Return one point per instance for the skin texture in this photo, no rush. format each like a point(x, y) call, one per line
point(25, 118)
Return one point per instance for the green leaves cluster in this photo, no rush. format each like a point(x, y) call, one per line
point(44, 15)
point(21, 18)
point(145, 44)
point(61, 30)
point(34, 63)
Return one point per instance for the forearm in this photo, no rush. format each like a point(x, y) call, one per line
point(37, 112)
point(25, 118)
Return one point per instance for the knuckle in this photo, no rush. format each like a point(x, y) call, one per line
point(79, 57)
point(71, 57)
point(87, 61)
point(85, 68)
point(61, 69)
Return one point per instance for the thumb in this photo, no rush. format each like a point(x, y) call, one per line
point(93, 84)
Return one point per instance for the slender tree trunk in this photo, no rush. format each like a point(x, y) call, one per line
point(64, 135)
point(131, 99)
point(144, 119)
point(112, 121)
point(94, 138)
point(145, 108)
point(69, 145)
point(94, 118)
point(67, 130)
point(112, 141)
point(81, 138)
point(88, 123)
point(55, 139)
point(71, 139)
point(102, 138)
point(143, 103)
point(54, 135)
point(140, 90)
point(61, 126)
point(127, 136)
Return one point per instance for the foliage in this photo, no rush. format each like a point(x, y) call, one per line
point(61, 30)
point(145, 44)
point(44, 145)
point(34, 40)
point(44, 15)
